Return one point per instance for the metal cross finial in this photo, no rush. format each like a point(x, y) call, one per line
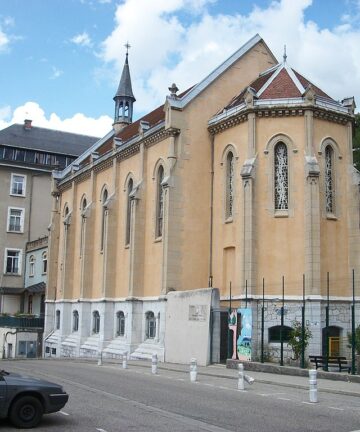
point(127, 46)
point(284, 56)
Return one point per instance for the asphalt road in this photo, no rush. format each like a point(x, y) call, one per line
point(110, 399)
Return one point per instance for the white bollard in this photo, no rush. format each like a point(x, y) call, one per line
point(124, 360)
point(100, 359)
point(193, 370)
point(154, 364)
point(313, 386)
point(241, 384)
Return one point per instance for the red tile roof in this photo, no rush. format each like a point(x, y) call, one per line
point(281, 87)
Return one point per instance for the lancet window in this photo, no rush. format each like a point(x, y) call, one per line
point(229, 185)
point(128, 211)
point(103, 219)
point(281, 177)
point(160, 202)
point(329, 180)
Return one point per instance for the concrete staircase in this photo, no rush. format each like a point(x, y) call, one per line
point(69, 347)
point(90, 348)
point(146, 350)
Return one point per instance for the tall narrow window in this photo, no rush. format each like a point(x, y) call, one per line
point(281, 177)
point(128, 211)
point(96, 322)
point(13, 261)
point(329, 179)
point(229, 185)
point(120, 324)
point(160, 202)
point(103, 219)
point(18, 185)
point(32, 265)
point(82, 228)
point(150, 331)
point(57, 320)
point(75, 325)
point(44, 263)
point(15, 220)
point(30, 304)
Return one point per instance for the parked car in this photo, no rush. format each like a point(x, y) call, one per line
point(24, 399)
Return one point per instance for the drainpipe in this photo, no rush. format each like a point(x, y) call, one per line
point(211, 211)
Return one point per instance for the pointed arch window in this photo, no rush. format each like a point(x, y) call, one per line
point(44, 262)
point(281, 177)
point(329, 180)
point(120, 323)
point(159, 202)
point(32, 265)
point(229, 201)
point(128, 211)
point(96, 322)
point(75, 325)
point(103, 219)
point(150, 331)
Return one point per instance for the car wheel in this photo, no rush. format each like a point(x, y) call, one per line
point(26, 412)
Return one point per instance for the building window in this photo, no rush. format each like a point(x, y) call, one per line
point(120, 324)
point(281, 177)
point(18, 185)
point(16, 220)
point(44, 263)
point(57, 320)
point(329, 180)
point(96, 322)
point(229, 201)
point(82, 228)
point(75, 325)
point(32, 265)
point(150, 330)
point(128, 211)
point(103, 219)
point(274, 333)
point(12, 261)
point(30, 304)
point(159, 201)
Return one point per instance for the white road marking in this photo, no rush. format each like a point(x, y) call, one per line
point(100, 430)
point(269, 394)
point(285, 399)
point(308, 403)
point(64, 413)
point(180, 379)
point(336, 408)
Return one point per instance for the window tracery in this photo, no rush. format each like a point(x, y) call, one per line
point(281, 177)
point(229, 185)
point(329, 180)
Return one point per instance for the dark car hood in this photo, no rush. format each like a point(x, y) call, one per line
point(17, 379)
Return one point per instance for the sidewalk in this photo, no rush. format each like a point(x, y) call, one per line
point(300, 382)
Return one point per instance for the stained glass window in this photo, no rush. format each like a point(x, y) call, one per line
point(229, 185)
point(281, 177)
point(329, 180)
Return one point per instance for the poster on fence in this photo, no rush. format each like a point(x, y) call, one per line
point(245, 334)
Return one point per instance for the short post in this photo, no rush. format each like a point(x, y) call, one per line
point(99, 363)
point(249, 379)
point(124, 360)
point(313, 386)
point(154, 364)
point(193, 370)
point(241, 384)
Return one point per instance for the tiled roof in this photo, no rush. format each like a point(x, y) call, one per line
point(278, 83)
point(48, 140)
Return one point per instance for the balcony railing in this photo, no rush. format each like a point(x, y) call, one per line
point(21, 322)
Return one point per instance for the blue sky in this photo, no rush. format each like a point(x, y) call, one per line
point(60, 60)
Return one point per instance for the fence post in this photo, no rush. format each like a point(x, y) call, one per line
point(193, 370)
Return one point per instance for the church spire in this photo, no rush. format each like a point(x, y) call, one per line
point(124, 97)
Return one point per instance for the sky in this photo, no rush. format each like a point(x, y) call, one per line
point(61, 60)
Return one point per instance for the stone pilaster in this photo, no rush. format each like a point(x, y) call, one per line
point(312, 226)
point(248, 216)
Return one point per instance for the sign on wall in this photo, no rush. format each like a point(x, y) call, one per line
point(240, 324)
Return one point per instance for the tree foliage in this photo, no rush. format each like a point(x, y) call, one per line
point(357, 340)
point(295, 340)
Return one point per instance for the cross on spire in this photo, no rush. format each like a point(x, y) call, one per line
point(127, 46)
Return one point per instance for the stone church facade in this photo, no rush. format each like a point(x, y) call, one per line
point(243, 181)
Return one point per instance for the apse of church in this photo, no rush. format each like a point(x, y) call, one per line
point(233, 181)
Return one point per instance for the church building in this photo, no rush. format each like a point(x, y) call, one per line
point(239, 191)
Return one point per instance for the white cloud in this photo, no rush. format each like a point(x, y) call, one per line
point(78, 123)
point(184, 51)
point(4, 40)
point(56, 73)
point(82, 39)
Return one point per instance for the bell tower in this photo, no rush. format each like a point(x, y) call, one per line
point(124, 98)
